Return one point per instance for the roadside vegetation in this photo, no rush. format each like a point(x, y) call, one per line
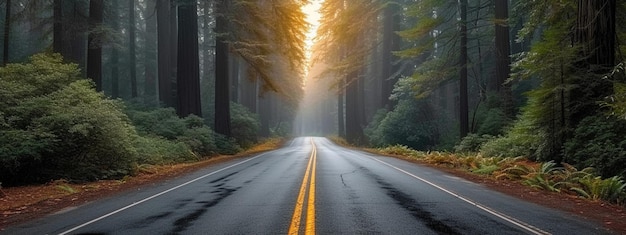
point(55, 126)
point(563, 178)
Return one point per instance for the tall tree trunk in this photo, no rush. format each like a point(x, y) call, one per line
point(265, 113)
point(150, 57)
point(74, 30)
point(235, 78)
point(463, 97)
point(94, 51)
point(174, 51)
point(188, 76)
point(341, 128)
point(503, 60)
point(57, 31)
point(164, 53)
point(354, 132)
point(390, 43)
point(115, 74)
point(222, 88)
point(132, 48)
point(595, 34)
point(7, 31)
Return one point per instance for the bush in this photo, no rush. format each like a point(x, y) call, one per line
point(165, 123)
point(244, 125)
point(411, 124)
point(156, 150)
point(521, 141)
point(57, 126)
point(598, 142)
point(472, 143)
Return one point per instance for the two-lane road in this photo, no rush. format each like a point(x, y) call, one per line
point(311, 186)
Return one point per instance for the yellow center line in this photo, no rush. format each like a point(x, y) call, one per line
point(297, 212)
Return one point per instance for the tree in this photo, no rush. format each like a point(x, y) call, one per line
point(115, 25)
point(503, 59)
point(7, 29)
point(164, 52)
point(94, 51)
point(188, 76)
point(132, 47)
point(150, 53)
point(463, 97)
point(222, 87)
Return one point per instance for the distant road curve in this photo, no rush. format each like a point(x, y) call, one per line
point(311, 186)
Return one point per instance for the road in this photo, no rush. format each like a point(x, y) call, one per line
point(311, 186)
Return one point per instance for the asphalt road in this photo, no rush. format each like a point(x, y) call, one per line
point(311, 186)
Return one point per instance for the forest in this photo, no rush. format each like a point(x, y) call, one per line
point(94, 89)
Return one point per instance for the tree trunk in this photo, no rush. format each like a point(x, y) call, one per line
point(57, 31)
point(115, 80)
point(174, 51)
point(188, 76)
point(7, 30)
point(164, 53)
point(463, 102)
point(503, 59)
point(150, 57)
point(131, 48)
point(94, 53)
point(353, 128)
point(341, 128)
point(222, 88)
point(390, 43)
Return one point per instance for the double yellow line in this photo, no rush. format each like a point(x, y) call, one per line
point(310, 207)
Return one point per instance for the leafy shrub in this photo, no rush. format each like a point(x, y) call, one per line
point(57, 126)
point(599, 142)
point(411, 124)
point(611, 189)
point(472, 143)
point(521, 141)
point(165, 123)
point(401, 150)
point(156, 150)
point(244, 125)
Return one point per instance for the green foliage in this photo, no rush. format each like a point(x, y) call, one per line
point(401, 150)
point(412, 123)
point(472, 143)
point(611, 189)
point(165, 124)
point(57, 126)
point(521, 140)
point(244, 125)
point(599, 142)
point(156, 150)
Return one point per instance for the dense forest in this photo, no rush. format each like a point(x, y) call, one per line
point(539, 79)
point(94, 89)
point(168, 81)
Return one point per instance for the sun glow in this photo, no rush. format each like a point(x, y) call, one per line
point(313, 17)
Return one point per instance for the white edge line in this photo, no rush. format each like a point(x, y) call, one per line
point(156, 195)
point(525, 226)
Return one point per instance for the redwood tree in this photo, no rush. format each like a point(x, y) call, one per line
point(222, 87)
point(188, 74)
point(94, 51)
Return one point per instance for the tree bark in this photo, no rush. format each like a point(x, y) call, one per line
point(164, 52)
point(390, 43)
point(57, 31)
point(503, 59)
point(132, 48)
point(150, 57)
point(188, 76)
point(7, 31)
point(222, 88)
point(463, 97)
point(115, 80)
point(94, 51)
point(341, 128)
